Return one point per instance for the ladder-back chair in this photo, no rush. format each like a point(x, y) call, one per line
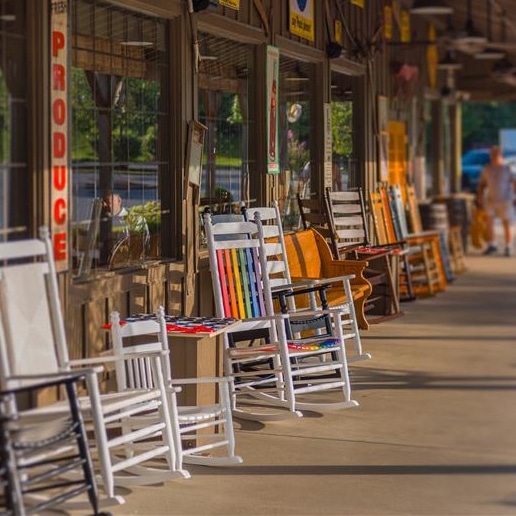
point(35, 343)
point(347, 219)
point(385, 236)
point(424, 252)
point(204, 433)
point(242, 290)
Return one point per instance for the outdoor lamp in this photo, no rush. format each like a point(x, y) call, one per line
point(430, 7)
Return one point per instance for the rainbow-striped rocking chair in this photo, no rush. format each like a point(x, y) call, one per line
point(265, 365)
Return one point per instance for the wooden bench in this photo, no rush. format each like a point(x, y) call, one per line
point(310, 257)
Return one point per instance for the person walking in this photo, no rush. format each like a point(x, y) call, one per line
point(496, 194)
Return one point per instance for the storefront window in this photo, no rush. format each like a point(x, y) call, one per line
point(343, 162)
point(15, 195)
point(118, 119)
point(224, 73)
point(295, 130)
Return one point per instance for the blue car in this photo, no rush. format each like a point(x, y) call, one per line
point(474, 161)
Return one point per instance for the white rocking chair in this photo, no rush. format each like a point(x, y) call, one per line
point(35, 345)
point(199, 430)
point(279, 277)
point(300, 367)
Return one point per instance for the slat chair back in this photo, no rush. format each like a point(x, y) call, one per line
point(388, 213)
point(379, 218)
point(136, 372)
point(242, 291)
point(398, 212)
point(313, 214)
point(413, 209)
point(346, 215)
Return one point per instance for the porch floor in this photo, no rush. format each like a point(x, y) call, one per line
point(435, 432)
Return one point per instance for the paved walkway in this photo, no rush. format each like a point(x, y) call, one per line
point(435, 433)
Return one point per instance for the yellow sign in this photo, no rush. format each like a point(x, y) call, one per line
point(387, 22)
point(432, 58)
point(360, 3)
point(338, 32)
point(232, 4)
point(302, 19)
point(405, 26)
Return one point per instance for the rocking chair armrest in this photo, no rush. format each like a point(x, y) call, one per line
point(374, 255)
point(42, 381)
point(278, 289)
point(335, 311)
point(109, 360)
point(204, 379)
point(427, 233)
point(326, 281)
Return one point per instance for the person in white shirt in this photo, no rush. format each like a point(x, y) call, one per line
point(496, 194)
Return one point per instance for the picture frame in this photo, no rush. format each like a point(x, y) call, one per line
point(196, 137)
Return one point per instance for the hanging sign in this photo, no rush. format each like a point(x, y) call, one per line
point(232, 4)
point(272, 106)
point(338, 32)
point(301, 19)
point(432, 58)
point(359, 3)
point(328, 147)
point(59, 153)
point(404, 26)
point(387, 22)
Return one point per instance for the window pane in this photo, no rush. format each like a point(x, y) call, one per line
point(118, 81)
point(224, 110)
point(15, 197)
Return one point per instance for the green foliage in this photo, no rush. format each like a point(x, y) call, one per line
point(236, 114)
point(298, 153)
point(341, 127)
point(149, 212)
point(482, 121)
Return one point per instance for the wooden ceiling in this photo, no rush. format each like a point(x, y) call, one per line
point(493, 19)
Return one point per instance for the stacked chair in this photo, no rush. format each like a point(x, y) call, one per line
point(35, 348)
point(265, 363)
point(420, 265)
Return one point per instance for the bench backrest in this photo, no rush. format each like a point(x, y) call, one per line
point(307, 253)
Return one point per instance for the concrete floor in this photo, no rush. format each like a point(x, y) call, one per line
point(435, 432)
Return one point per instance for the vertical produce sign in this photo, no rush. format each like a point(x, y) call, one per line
point(272, 107)
point(59, 191)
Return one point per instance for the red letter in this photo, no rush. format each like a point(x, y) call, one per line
point(60, 246)
point(59, 77)
point(58, 42)
point(59, 176)
point(59, 111)
point(60, 211)
point(59, 145)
